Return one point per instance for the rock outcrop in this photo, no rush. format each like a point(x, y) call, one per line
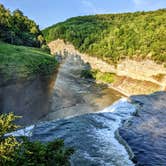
point(28, 98)
point(146, 131)
point(134, 77)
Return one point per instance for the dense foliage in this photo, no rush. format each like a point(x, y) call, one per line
point(98, 75)
point(26, 153)
point(8, 145)
point(115, 36)
point(21, 62)
point(15, 28)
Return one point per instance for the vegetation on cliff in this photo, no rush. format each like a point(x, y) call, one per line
point(97, 75)
point(21, 62)
point(113, 37)
point(15, 28)
point(14, 152)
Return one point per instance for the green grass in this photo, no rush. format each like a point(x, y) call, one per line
point(98, 76)
point(104, 77)
point(21, 62)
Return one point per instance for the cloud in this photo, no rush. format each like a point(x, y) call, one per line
point(149, 4)
point(140, 2)
point(88, 5)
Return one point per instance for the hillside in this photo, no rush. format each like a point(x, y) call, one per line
point(113, 37)
point(20, 62)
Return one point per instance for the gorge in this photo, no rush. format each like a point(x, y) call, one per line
point(95, 136)
point(93, 84)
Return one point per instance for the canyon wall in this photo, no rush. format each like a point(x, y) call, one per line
point(28, 98)
point(132, 77)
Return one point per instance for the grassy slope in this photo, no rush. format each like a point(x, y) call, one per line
point(112, 37)
point(21, 62)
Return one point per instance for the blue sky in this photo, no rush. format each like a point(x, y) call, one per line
point(48, 12)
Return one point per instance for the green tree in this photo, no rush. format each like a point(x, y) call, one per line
point(15, 28)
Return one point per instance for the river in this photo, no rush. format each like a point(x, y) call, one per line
point(91, 118)
point(83, 114)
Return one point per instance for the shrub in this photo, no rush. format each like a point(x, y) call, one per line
point(97, 75)
point(44, 154)
point(15, 28)
point(87, 74)
point(45, 48)
point(23, 152)
point(8, 145)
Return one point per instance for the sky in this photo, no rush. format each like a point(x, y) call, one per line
point(48, 12)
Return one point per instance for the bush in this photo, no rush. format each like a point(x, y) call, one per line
point(97, 75)
point(24, 152)
point(105, 77)
point(15, 28)
point(87, 74)
point(37, 153)
point(45, 48)
point(8, 145)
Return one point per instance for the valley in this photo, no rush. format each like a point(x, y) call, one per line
point(88, 91)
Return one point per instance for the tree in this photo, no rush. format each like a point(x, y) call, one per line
point(15, 28)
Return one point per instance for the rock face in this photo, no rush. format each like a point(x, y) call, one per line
point(144, 72)
point(27, 98)
point(146, 132)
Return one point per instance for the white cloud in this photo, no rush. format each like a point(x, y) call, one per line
point(149, 4)
point(140, 2)
point(88, 5)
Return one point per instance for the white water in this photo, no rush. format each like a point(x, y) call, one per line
point(121, 110)
point(27, 131)
point(106, 144)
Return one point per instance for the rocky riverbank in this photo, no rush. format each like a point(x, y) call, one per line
point(145, 133)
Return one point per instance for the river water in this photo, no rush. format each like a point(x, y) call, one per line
point(91, 135)
point(83, 114)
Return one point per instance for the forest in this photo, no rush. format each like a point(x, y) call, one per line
point(15, 28)
point(113, 37)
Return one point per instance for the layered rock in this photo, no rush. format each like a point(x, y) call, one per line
point(135, 76)
point(28, 98)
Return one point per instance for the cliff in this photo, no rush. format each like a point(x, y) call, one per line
point(25, 80)
point(132, 76)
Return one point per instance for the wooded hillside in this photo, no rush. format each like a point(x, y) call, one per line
point(112, 37)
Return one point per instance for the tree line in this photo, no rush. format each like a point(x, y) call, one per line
point(113, 37)
point(15, 28)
